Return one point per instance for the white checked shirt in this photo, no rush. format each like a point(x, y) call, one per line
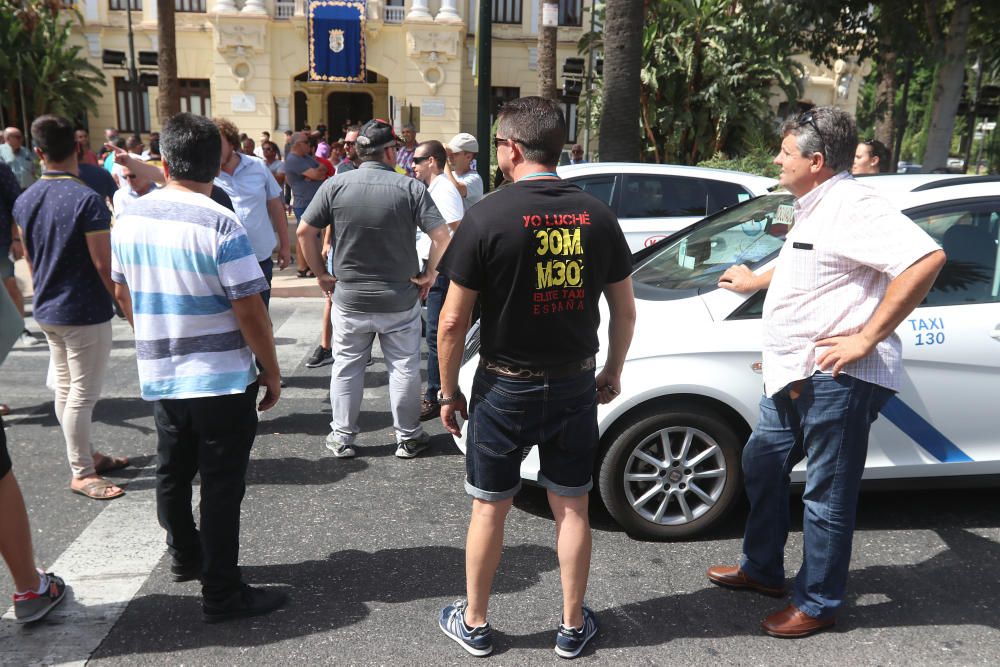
point(845, 247)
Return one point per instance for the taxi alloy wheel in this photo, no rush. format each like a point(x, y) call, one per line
point(672, 474)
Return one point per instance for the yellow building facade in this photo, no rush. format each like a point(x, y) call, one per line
point(247, 60)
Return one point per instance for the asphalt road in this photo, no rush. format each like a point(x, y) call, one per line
point(370, 549)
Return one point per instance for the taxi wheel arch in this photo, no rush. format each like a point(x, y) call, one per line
point(707, 423)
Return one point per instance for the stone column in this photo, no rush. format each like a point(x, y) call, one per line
point(419, 12)
point(448, 13)
point(254, 7)
point(225, 7)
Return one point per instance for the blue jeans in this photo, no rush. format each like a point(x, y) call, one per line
point(435, 300)
point(828, 423)
point(507, 415)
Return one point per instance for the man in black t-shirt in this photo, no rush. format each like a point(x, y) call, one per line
point(538, 256)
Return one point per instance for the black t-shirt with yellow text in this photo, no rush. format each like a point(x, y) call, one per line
point(539, 252)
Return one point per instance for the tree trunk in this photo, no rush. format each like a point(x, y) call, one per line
point(168, 102)
point(885, 100)
point(620, 124)
point(948, 88)
point(547, 54)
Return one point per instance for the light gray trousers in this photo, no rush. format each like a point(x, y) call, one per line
point(399, 337)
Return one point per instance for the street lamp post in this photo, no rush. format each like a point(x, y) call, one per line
point(133, 74)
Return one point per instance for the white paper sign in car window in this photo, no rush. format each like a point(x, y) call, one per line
point(785, 215)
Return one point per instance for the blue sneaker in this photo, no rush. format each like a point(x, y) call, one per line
point(477, 641)
point(570, 641)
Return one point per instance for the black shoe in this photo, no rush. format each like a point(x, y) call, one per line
point(247, 601)
point(321, 356)
point(181, 572)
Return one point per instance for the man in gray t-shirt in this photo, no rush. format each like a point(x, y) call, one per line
point(375, 213)
point(303, 173)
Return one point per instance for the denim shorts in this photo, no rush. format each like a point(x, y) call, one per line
point(6, 265)
point(507, 416)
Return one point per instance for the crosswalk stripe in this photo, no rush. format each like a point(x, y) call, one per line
point(104, 578)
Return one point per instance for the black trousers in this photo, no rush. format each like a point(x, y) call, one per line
point(212, 436)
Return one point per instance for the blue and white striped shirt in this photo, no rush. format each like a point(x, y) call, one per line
point(184, 258)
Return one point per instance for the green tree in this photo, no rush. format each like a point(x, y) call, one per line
point(40, 70)
point(707, 76)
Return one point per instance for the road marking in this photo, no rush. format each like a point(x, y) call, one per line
point(104, 578)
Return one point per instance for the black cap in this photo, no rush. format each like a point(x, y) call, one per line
point(376, 134)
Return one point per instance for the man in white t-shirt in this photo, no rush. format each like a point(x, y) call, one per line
point(462, 150)
point(429, 163)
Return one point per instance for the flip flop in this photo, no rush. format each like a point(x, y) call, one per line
point(111, 463)
point(95, 490)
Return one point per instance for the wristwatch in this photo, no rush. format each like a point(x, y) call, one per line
point(448, 400)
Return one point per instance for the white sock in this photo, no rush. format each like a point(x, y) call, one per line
point(43, 584)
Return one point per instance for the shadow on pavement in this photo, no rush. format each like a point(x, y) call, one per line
point(325, 595)
point(293, 470)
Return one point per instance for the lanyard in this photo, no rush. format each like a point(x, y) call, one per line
point(541, 174)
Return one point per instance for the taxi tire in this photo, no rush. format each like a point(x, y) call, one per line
point(612, 470)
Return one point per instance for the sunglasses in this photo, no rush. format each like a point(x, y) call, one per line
point(421, 159)
point(501, 141)
point(348, 143)
point(809, 118)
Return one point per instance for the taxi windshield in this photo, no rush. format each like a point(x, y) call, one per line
point(746, 234)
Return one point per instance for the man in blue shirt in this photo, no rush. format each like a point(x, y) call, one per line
point(257, 198)
point(66, 229)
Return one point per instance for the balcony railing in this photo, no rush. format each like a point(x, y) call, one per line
point(119, 5)
point(284, 9)
point(394, 14)
point(190, 6)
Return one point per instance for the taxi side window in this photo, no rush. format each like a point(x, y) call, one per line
point(654, 196)
point(968, 234)
point(602, 187)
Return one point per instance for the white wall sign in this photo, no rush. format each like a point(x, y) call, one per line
point(243, 103)
point(432, 107)
point(550, 15)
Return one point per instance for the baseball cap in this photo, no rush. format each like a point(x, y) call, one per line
point(376, 134)
point(463, 141)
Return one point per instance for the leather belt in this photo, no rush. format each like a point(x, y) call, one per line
point(551, 372)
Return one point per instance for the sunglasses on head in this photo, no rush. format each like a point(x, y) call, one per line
point(809, 118)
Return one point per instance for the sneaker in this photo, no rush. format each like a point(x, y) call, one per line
point(409, 449)
point(570, 641)
point(181, 572)
point(321, 356)
point(429, 410)
point(32, 606)
point(477, 641)
point(247, 601)
point(339, 449)
point(28, 338)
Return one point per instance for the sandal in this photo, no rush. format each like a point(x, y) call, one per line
point(109, 463)
point(96, 490)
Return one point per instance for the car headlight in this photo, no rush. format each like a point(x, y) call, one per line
point(471, 343)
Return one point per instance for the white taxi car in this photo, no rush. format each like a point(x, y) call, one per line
point(653, 201)
point(669, 462)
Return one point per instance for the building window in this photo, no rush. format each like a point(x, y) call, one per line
point(123, 103)
point(119, 5)
point(196, 96)
point(571, 12)
point(191, 6)
point(506, 11)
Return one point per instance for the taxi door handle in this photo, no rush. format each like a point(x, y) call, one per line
point(995, 334)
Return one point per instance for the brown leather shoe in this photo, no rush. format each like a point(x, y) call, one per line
point(429, 410)
point(792, 623)
point(733, 577)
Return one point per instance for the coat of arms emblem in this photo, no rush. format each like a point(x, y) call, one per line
point(336, 40)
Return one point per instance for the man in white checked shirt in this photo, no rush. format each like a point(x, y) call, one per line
point(851, 269)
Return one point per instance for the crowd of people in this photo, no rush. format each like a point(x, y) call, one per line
point(386, 222)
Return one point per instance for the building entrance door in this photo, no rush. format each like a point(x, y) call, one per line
point(347, 109)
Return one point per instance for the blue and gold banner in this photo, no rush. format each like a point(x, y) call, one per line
point(336, 38)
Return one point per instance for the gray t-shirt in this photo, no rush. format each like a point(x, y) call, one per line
point(375, 214)
point(303, 190)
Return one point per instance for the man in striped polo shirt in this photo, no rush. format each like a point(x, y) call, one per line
point(189, 282)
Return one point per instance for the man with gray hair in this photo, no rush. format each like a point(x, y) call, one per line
point(374, 213)
point(851, 270)
point(404, 154)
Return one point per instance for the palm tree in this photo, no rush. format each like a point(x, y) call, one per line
point(547, 54)
point(168, 102)
point(619, 128)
